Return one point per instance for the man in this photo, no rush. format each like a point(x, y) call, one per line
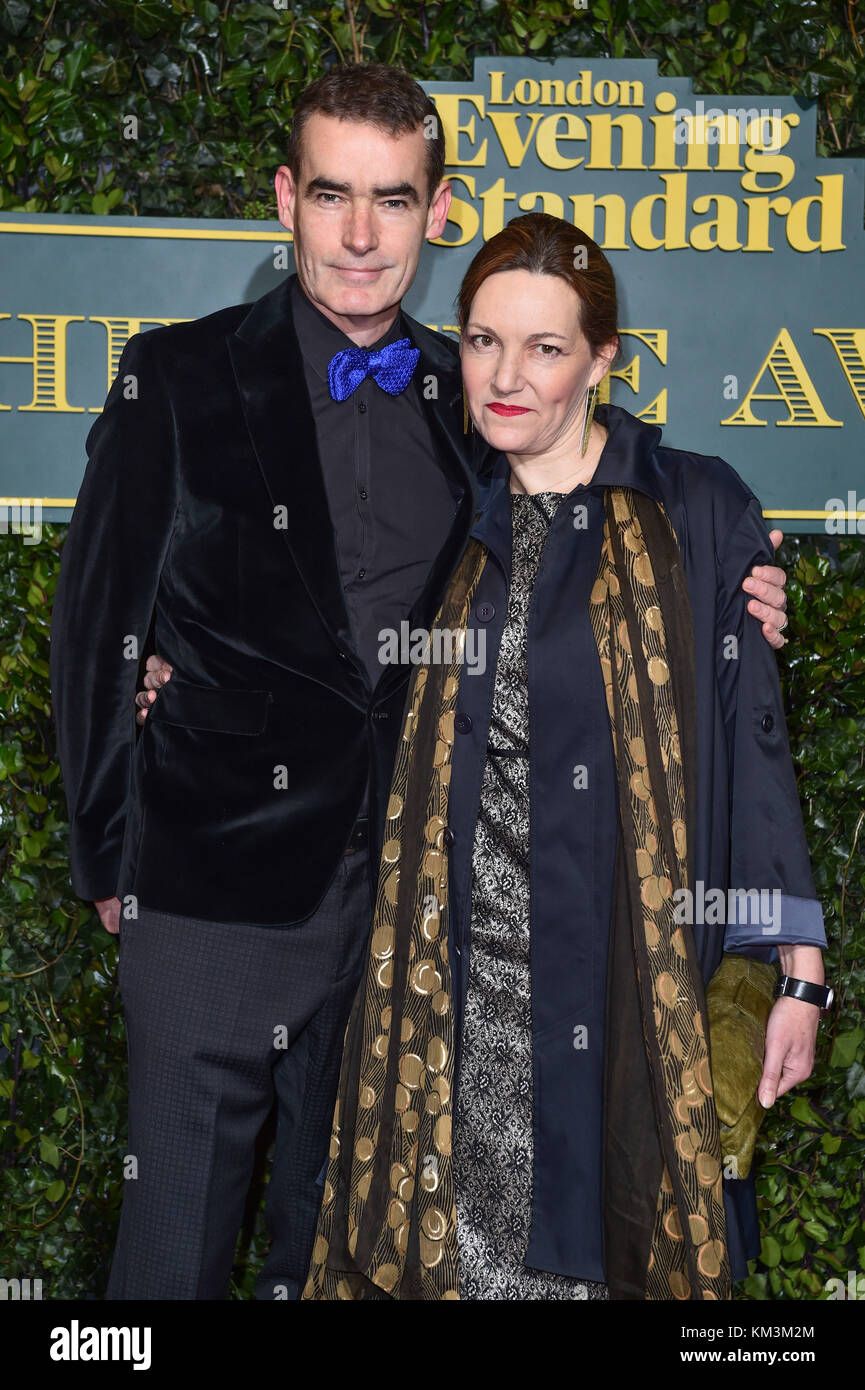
point(257, 507)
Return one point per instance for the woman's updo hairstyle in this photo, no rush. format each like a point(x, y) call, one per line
point(548, 245)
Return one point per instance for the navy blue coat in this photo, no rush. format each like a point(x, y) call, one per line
point(748, 822)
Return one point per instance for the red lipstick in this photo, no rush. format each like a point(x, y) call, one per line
point(499, 409)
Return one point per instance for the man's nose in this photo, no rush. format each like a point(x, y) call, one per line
point(360, 234)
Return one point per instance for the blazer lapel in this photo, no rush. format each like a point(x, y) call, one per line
point(268, 369)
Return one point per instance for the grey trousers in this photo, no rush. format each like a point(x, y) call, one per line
point(221, 1018)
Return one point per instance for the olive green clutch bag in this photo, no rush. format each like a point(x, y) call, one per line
point(738, 999)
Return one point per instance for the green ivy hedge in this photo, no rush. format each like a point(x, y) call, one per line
point(212, 86)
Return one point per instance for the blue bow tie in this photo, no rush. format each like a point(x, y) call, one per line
point(391, 368)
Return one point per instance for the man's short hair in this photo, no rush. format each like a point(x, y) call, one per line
point(383, 96)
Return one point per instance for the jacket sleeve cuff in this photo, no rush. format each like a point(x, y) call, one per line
point(755, 928)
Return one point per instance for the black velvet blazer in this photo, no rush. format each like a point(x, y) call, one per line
point(202, 531)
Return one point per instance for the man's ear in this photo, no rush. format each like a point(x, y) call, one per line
point(438, 210)
point(286, 196)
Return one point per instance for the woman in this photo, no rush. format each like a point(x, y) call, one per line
point(526, 1105)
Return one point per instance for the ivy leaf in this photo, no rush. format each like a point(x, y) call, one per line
point(846, 1047)
point(14, 15)
point(855, 1081)
point(816, 1230)
point(802, 1112)
point(770, 1252)
point(48, 1152)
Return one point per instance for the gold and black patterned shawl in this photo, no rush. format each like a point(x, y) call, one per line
point(387, 1226)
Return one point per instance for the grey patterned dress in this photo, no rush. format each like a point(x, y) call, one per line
point(493, 1129)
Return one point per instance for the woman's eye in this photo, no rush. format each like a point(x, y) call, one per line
point(548, 349)
point(481, 339)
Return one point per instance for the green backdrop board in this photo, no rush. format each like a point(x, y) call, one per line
point(740, 257)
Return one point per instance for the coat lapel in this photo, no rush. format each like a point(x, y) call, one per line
point(439, 386)
point(268, 369)
point(457, 453)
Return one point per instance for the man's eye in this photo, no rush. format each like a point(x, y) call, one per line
point(395, 203)
point(334, 196)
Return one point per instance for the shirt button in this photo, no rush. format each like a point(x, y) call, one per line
point(463, 723)
point(767, 723)
point(361, 405)
point(364, 494)
point(486, 611)
point(361, 573)
point(448, 836)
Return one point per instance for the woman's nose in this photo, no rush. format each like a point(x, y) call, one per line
point(507, 376)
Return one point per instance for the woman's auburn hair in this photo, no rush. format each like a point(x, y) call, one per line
point(548, 245)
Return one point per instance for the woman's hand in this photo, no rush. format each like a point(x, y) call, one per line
point(791, 1033)
point(157, 673)
point(791, 1039)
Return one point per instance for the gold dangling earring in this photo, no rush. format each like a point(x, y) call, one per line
point(588, 417)
point(466, 414)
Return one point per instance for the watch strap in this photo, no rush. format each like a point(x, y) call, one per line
point(810, 993)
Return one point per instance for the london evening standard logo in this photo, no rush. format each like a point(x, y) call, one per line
point(574, 129)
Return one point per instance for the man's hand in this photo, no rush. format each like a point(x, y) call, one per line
point(109, 914)
point(157, 672)
point(769, 601)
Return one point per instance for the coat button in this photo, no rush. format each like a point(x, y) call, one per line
point(448, 836)
point(463, 723)
point(486, 611)
point(767, 723)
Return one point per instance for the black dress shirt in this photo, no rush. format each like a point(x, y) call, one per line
point(390, 501)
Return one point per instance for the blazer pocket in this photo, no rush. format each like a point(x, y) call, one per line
point(211, 708)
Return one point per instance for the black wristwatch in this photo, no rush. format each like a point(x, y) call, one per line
point(821, 995)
